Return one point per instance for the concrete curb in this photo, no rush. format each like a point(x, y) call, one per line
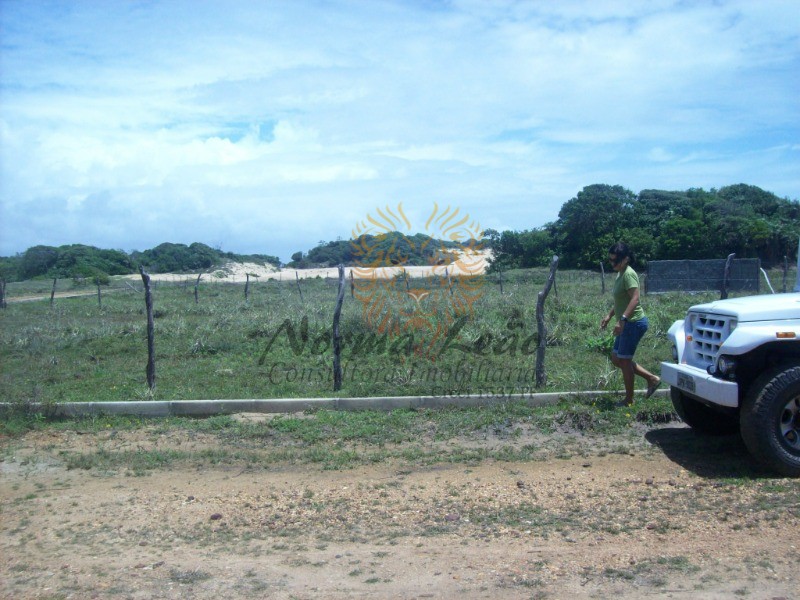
point(208, 408)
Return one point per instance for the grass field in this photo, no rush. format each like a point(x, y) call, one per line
point(276, 344)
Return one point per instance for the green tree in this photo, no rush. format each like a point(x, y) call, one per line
point(589, 223)
point(9, 267)
point(683, 238)
point(37, 261)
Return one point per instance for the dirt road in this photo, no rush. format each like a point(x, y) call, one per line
point(659, 516)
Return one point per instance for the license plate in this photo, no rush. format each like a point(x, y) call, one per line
point(686, 382)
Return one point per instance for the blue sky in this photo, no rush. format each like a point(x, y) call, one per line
point(267, 126)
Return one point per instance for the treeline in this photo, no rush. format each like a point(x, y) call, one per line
point(177, 258)
point(658, 225)
point(89, 262)
point(381, 250)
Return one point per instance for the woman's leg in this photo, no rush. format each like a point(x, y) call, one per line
point(644, 373)
point(622, 357)
point(626, 365)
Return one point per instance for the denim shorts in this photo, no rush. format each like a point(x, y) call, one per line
point(625, 343)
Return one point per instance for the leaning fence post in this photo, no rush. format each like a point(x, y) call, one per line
point(726, 276)
point(151, 354)
point(299, 289)
point(541, 377)
point(337, 336)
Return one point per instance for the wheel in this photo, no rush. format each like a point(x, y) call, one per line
point(770, 420)
point(700, 417)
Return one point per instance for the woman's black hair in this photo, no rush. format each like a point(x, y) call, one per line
point(622, 251)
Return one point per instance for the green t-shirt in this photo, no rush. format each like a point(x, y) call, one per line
point(625, 281)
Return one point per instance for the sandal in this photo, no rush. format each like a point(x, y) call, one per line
point(651, 388)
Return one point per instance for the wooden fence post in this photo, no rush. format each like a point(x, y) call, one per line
point(246, 286)
point(2, 293)
point(541, 377)
point(299, 289)
point(726, 276)
point(337, 335)
point(797, 273)
point(602, 278)
point(196, 285)
point(352, 285)
point(151, 353)
point(53, 291)
point(99, 297)
point(785, 271)
point(500, 278)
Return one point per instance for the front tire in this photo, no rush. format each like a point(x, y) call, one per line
point(770, 420)
point(700, 417)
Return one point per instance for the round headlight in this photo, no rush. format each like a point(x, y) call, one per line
point(726, 365)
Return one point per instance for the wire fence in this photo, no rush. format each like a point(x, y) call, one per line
point(703, 275)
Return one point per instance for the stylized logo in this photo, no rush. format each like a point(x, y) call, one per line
point(421, 283)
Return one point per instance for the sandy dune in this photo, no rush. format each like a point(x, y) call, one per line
point(235, 272)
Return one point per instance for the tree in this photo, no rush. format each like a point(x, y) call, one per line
point(589, 223)
point(37, 260)
point(653, 208)
point(537, 248)
point(683, 238)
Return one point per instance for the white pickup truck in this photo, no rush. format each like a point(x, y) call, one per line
point(737, 367)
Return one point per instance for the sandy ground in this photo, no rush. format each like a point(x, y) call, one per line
point(70, 294)
point(233, 272)
point(658, 519)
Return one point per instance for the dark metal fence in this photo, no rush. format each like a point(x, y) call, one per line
point(702, 275)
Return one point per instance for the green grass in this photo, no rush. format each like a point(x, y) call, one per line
point(220, 347)
point(344, 440)
point(226, 347)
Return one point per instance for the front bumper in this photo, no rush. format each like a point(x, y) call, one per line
point(697, 383)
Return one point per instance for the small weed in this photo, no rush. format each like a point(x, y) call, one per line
point(619, 573)
point(188, 577)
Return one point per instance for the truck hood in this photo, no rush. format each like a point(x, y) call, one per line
point(771, 307)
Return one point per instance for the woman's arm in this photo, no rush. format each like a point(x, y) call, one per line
point(633, 294)
point(604, 321)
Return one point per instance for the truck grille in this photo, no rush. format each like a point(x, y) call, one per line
point(708, 334)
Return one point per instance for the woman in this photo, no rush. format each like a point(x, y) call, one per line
point(631, 322)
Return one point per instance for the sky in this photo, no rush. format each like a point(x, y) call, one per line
point(267, 126)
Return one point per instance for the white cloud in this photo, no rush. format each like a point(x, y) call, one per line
point(293, 118)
